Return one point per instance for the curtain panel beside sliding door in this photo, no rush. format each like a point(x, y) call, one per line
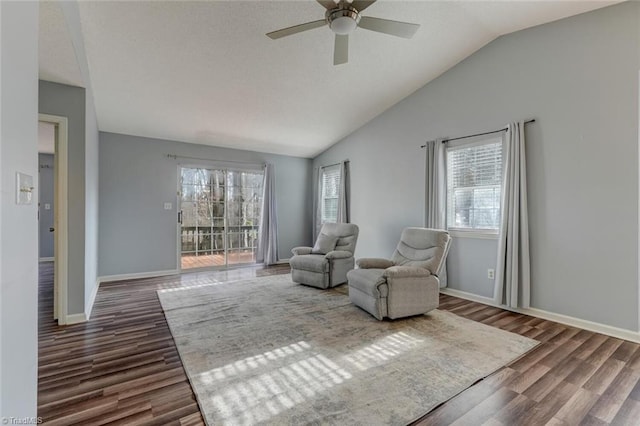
point(267, 252)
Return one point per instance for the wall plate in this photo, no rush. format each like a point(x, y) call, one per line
point(24, 188)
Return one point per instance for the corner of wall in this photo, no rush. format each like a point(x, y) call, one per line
point(88, 308)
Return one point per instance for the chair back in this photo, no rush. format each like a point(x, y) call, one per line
point(347, 234)
point(422, 247)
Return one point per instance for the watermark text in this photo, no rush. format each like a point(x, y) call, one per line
point(21, 420)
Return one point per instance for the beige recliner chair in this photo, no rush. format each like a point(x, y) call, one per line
point(326, 263)
point(408, 283)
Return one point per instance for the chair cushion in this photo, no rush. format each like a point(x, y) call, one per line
point(347, 234)
point(406, 272)
point(310, 262)
point(324, 244)
point(369, 281)
point(373, 263)
point(422, 248)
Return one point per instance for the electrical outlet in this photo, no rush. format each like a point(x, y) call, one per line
point(491, 273)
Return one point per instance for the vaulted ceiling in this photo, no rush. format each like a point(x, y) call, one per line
point(204, 72)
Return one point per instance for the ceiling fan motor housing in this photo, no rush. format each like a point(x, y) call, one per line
point(342, 20)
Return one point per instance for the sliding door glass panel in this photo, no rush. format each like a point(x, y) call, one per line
point(202, 197)
point(244, 195)
point(220, 217)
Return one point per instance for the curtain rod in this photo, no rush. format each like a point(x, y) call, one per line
point(331, 165)
point(175, 157)
point(504, 129)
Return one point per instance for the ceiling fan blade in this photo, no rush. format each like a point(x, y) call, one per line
point(361, 5)
point(386, 26)
point(341, 50)
point(296, 29)
point(327, 4)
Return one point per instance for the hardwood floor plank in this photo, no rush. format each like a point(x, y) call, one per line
point(486, 409)
point(577, 407)
point(583, 372)
point(514, 411)
point(590, 345)
point(81, 412)
point(549, 406)
point(628, 415)
point(625, 351)
point(594, 421)
point(523, 381)
point(462, 403)
point(602, 378)
point(616, 394)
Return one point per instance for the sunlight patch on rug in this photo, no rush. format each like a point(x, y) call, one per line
point(269, 351)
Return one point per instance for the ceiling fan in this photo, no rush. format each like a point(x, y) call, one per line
point(343, 17)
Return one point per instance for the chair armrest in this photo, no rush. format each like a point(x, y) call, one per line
point(339, 254)
point(299, 251)
point(405, 271)
point(373, 263)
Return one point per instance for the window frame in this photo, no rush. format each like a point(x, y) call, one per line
point(325, 169)
point(479, 233)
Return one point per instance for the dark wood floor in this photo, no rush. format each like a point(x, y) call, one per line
point(122, 367)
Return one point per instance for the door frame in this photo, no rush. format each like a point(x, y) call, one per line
point(226, 169)
point(60, 215)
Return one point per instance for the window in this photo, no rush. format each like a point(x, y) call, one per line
point(474, 182)
point(330, 187)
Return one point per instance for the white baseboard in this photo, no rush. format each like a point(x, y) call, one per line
point(46, 259)
point(136, 275)
point(619, 333)
point(83, 317)
point(76, 319)
point(283, 261)
point(92, 300)
point(470, 296)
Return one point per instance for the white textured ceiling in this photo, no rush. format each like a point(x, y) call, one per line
point(205, 72)
point(56, 56)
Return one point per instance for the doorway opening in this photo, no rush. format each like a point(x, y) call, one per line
point(219, 215)
point(52, 211)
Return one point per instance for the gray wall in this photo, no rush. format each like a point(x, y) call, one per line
point(45, 196)
point(72, 19)
point(69, 101)
point(18, 223)
point(91, 202)
point(579, 78)
point(136, 178)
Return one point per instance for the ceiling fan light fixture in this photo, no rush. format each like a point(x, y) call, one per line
point(343, 21)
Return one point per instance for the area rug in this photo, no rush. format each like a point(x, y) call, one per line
point(269, 351)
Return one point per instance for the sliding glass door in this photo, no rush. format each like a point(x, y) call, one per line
point(220, 214)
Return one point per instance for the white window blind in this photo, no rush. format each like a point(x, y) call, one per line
point(330, 187)
point(474, 181)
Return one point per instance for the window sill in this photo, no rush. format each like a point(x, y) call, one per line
point(473, 233)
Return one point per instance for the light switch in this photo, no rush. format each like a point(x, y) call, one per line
point(24, 188)
point(47, 206)
point(168, 206)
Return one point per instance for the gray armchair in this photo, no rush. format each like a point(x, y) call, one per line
point(326, 263)
point(408, 283)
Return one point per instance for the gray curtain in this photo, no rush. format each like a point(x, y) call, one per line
point(267, 251)
point(317, 203)
point(436, 191)
point(343, 194)
point(512, 286)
